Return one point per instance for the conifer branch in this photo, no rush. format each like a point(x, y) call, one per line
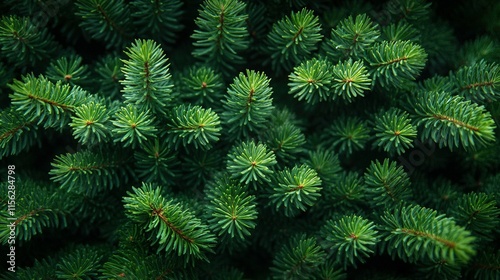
point(105, 20)
point(423, 234)
point(295, 189)
point(350, 239)
point(22, 43)
point(293, 38)
point(147, 78)
point(351, 38)
point(248, 104)
point(172, 227)
point(222, 34)
point(249, 162)
point(193, 126)
point(17, 134)
point(89, 172)
point(452, 121)
point(395, 63)
point(45, 102)
point(299, 258)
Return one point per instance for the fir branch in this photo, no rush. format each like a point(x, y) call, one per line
point(351, 38)
point(133, 127)
point(388, 184)
point(325, 163)
point(156, 162)
point(414, 11)
point(477, 212)
point(147, 81)
point(89, 172)
point(45, 102)
point(285, 141)
point(105, 20)
point(311, 81)
point(17, 134)
point(249, 162)
point(439, 269)
point(438, 84)
point(222, 34)
point(42, 269)
point(232, 211)
point(24, 44)
point(394, 131)
point(193, 126)
point(38, 207)
point(396, 63)
point(248, 104)
point(158, 20)
point(298, 259)
point(83, 263)
point(414, 233)
point(452, 121)
point(331, 271)
point(350, 80)
point(133, 259)
point(400, 31)
point(202, 86)
point(109, 76)
point(90, 123)
point(348, 135)
point(347, 193)
point(479, 82)
point(200, 166)
point(482, 48)
point(486, 265)
point(293, 190)
point(293, 39)
point(170, 226)
point(350, 239)
point(68, 70)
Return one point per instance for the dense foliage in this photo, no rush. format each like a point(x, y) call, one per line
point(233, 139)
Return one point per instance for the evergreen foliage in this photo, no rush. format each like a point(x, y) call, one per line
point(452, 121)
point(17, 134)
point(44, 102)
point(250, 162)
point(147, 79)
point(69, 70)
point(395, 63)
point(293, 38)
point(104, 20)
point(295, 189)
point(311, 81)
point(158, 20)
point(351, 79)
point(347, 134)
point(351, 38)
point(438, 236)
point(387, 183)
point(22, 43)
point(193, 126)
point(232, 139)
point(170, 225)
point(394, 132)
point(202, 86)
point(479, 82)
point(297, 260)
point(350, 239)
point(247, 104)
point(90, 123)
point(234, 211)
point(133, 126)
point(222, 33)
